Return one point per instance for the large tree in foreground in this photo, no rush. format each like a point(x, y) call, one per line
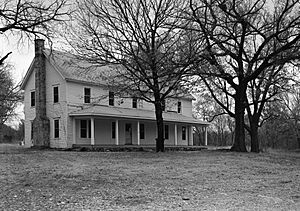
point(140, 39)
point(31, 18)
point(245, 40)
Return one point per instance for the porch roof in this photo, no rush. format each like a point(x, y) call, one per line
point(129, 113)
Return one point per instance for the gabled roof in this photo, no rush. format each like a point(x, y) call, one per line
point(70, 68)
point(129, 113)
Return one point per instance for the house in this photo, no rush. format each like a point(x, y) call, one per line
point(67, 105)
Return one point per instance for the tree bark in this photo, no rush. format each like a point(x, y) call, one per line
point(239, 144)
point(160, 127)
point(254, 137)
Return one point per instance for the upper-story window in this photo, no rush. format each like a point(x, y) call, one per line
point(55, 94)
point(134, 102)
point(87, 95)
point(179, 107)
point(164, 105)
point(32, 98)
point(111, 98)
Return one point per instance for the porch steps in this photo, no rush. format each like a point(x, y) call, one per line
point(132, 148)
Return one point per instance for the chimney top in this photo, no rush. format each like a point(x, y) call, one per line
point(39, 46)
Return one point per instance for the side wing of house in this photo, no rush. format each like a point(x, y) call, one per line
point(56, 109)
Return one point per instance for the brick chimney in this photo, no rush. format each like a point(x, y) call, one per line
point(41, 123)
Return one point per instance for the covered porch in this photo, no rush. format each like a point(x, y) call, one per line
point(111, 126)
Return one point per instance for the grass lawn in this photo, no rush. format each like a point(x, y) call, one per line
point(199, 180)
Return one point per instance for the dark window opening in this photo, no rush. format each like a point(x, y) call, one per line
point(113, 130)
point(163, 105)
point(166, 131)
point(32, 99)
point(55, 94)
point(142, 131)
point(85, 128)
point(56, 128)
point(111, 96)
point(183, 133)
point(87, 95)
point(179, 107)
point(134, 102)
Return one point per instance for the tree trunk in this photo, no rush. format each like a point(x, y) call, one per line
point(239, 144)
point(254, 139)
point(160, 127)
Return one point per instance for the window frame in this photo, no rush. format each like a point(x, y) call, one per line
point(111, 98)
point(142, 131)
point(179, 107)
point(56, 126)
point(87, 129)
point(183, 133)
point(87, 97)
point(166, 132)
point(32, 98)
point(113, 130)
point(134, 102)
point(55, 95)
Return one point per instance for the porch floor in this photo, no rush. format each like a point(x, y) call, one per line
point(129, 148)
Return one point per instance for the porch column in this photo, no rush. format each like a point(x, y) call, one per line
point(92, 131)
point(191, 136)
point(117, 132)
point(138, 133)
point(205, 136)
point(175, 134)
point(74, 130)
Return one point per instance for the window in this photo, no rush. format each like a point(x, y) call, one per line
point(166, 131)
point(179, 107)
point(55, 94)
point(183, 133)
point(32, 97)
point(32, 130)
point(56, 128)
point(85, 128)
point(111, 96)
point(142, 131)
point(87, 95)
point(134, 102)
point(163, 105)
point(113, 130)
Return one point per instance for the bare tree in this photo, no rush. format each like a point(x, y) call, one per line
point(149, 54)
point(244, 41)
point(31, 18)
point(9, 95)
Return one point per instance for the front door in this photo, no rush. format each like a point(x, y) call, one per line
point(128, 133)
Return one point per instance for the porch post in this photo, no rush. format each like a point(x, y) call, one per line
point(191, 136)
point(175, 134)
point(138, 133)
point(74, 130)
point(205, 136)
point(117, 132)
point(92, 131)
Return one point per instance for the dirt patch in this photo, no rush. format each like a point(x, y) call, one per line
point(198, 180)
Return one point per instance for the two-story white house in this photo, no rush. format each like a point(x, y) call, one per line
point(66, 105)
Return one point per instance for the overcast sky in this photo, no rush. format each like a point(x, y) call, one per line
point(20, 58)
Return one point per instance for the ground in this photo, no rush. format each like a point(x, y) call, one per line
point(198, 180)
